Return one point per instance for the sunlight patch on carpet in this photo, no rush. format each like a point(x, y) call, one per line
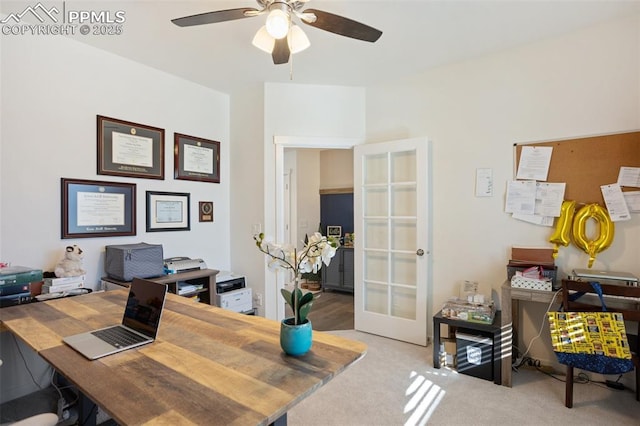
point(424, 397)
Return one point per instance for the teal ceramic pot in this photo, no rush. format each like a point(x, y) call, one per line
point(295, 340)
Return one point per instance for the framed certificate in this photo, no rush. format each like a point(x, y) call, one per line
point(168, 211)
point(97, 209)
point(130, 149)
point(196, 159)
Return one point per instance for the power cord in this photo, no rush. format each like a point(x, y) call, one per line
point(518, 362)
point(63, 404)
point(24, 361)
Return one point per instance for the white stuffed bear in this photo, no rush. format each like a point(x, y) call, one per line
point(71, 264)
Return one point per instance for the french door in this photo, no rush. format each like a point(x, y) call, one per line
point(392, 239)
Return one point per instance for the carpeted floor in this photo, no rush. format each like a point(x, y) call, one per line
point(396, 384)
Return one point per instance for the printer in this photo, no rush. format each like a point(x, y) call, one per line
point(232, 293)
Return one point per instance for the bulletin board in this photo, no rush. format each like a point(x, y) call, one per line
point(585, 164)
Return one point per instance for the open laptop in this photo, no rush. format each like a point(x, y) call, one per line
point(139, 326)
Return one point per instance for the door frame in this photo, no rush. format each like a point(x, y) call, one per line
point(279, 144)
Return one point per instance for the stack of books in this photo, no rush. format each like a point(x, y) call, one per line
point(16, 284)
point(63, 284)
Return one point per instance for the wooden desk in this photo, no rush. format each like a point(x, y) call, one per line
point(208, 366)
point(510, 300)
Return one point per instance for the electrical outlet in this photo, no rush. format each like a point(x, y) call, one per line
point(257, 298)
point(256, 228)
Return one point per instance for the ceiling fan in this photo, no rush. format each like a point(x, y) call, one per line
point(280, 36)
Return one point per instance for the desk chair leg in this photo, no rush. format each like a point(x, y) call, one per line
point(568, 391)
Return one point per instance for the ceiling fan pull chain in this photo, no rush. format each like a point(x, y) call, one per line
point(290, 58)
point(291, 68)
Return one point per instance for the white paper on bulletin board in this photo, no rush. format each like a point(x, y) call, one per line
point(534, 162)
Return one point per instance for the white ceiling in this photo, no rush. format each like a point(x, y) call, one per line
point(417, 35)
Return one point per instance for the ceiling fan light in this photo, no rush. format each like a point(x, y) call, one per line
point(263, 41)
point(298, 39)
point(278, 23)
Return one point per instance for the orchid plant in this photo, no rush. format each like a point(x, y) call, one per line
point(317, 250)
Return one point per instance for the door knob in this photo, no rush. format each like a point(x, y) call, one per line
point(420, 252)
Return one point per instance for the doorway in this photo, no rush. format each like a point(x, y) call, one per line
point(392, 279)
point(281, 144)
point(318, 192)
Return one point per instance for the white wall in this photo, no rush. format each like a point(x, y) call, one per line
point(336, 169)
point(52, 90)
point(247, 185)
point(584, 83)
point(308, 193)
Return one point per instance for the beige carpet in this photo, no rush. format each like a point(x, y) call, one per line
point(396, 384)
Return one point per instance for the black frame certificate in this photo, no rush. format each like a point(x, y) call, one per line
point(130, 149)
point(168, 211)
point(97, 209)
point(196, 158)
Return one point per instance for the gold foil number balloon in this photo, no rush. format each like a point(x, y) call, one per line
point(605, 234)
point(562, 234)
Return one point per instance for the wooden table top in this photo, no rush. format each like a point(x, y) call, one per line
point(208, 365)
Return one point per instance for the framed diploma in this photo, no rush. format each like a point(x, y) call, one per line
point(130, 149)
point(97, 209)
point(168, 211)
point(196, 159)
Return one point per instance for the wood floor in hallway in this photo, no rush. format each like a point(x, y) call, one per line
point(332, 310)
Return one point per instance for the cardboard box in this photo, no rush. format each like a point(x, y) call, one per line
point(539, 255)
point(448, 352)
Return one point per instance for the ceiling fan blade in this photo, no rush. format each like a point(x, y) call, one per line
point(344, 26)
point(215, 17)
point(281, 52)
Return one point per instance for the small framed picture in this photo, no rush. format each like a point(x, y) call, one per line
point(97, 209)
point(130, 149)
point(334, 231)
point(206, 211)
point(168, 211)
point(196, 159)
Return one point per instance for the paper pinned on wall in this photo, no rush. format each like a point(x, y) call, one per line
point(549, 198)
point(615, 202)
point(535, 219)
point(534, 162)
point(521, 197)
point(629, 176)
point(484, 182)
point(633, 200)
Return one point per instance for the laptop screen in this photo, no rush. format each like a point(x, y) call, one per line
point(144, 306)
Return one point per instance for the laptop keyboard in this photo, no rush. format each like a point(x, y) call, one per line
point(119, 337)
